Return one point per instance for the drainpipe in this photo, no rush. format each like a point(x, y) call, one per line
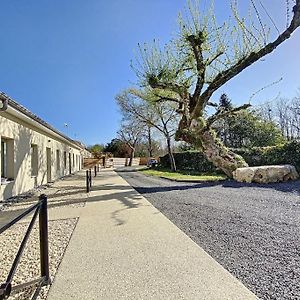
point(3, 104)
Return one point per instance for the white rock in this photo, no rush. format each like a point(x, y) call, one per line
point(266, 174)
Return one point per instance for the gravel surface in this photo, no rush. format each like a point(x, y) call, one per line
point(58, 197)
point(68, 192)
point(60, 232)
point(252, 230)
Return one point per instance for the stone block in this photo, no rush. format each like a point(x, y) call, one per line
point(266, 174)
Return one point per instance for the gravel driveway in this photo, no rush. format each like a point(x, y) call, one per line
point(252, 230)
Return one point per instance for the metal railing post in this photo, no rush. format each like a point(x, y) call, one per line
point(90, 178)
point(95, 170)
point(44, 247)
point(87, 181)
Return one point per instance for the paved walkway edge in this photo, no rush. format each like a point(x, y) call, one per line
point(124, 248)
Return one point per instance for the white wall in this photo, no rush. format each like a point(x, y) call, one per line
point(23, 135)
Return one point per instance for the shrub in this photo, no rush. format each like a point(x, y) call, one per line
point(288, 153)
point(189, 161)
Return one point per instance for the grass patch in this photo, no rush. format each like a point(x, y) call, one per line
point(184, 175)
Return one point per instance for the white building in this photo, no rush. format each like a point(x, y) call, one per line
point(32, 152)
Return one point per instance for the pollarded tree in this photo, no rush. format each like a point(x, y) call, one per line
point(203, 58)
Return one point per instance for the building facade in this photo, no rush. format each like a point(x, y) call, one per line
point(32, 152)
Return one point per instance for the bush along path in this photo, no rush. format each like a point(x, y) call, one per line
point(288, 153)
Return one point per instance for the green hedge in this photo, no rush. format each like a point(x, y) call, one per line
point(288, 153)
point(189, 161)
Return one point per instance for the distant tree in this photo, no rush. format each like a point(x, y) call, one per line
point(202, 59)
point(295, 116)
point(266, 112)
point(225, 103)
point(248, 129)
point(117, 148)
point(183, 147)
point(131, 133)
point(286, 114)
point(96, 150)
point(142, 149)
point(160, 116)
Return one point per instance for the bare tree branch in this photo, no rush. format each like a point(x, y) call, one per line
point(245, 62)
point(196, 43)
point(212, 59)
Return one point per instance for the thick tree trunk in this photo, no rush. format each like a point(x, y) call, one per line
point(206, 140)
point(219, 155)
point(171, 156)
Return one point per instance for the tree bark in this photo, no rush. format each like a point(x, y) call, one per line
point(171, 156)
point(150, 148)
point(131, 157)
point(206, 140)
point(219, 155)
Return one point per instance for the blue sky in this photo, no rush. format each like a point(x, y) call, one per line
point(66, 60)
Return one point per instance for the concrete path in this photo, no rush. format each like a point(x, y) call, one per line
point(124, 248)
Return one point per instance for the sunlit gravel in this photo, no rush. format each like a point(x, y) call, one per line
point(252, 230)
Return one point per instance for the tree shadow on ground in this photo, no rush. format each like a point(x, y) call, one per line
point(74, 190)
point(68, 193)
point(130, 170)
point(129, 199)
point(286, 187)
point(125, 198)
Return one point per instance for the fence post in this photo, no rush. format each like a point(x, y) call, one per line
point(87, 181)
point(95, 170)
point(44, 247)
point(90, 178)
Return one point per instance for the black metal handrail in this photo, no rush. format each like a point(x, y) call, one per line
point(40, 209)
